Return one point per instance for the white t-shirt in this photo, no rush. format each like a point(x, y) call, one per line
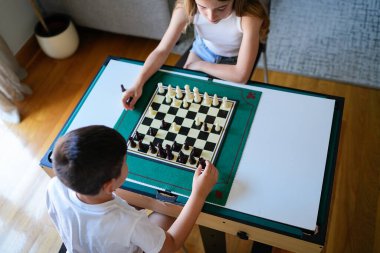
point(223, 38)
point(113, 226)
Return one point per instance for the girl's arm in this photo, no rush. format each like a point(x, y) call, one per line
point(158, 56)
point(240, 72)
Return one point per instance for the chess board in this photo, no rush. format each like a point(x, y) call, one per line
point(188, 138)
point(172, 176)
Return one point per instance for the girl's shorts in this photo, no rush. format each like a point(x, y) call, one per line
point(202, 51)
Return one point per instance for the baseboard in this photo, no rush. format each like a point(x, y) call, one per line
point(27, 52)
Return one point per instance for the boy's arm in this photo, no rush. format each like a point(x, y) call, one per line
point(181, 228)
point(157, 57)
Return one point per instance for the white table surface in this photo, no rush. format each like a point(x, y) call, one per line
point(281, 171)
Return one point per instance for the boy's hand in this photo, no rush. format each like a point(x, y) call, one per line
point(135, 93)
point(203, 181)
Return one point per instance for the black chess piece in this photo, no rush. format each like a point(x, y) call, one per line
point(186, 145)
point(152, 148)
point(164, 125)
point(132, 142)
point(143, 147)
point(169, 153)
point(138, 136)
point(202, 162)
point(175, 146)
point(152, 131)
point(205, 127)
point(181, 157)
point(161, 152)
point(192, 159)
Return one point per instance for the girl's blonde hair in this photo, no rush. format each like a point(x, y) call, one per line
point(241, 7)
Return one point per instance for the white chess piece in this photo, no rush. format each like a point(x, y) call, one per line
point(168, 98)
point(175, 127)
point(197, 96)
point(178, 92)
point(206, 99)
point(170, 91)
point(215, 100)
point(224, 103)
point(160, 88)
point(174, 102)
point(217, 127)
point(187, 89)
point(185, 104)
point(189, 97)
point(151, 111)
point(197, 121)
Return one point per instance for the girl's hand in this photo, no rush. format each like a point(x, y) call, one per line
point(135, 93)
point(203, 181)
point(193, 62)
point(197, 65)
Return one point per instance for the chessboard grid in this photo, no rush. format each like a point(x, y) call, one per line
point(207, 142)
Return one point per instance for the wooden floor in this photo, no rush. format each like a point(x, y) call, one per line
point(59, 84)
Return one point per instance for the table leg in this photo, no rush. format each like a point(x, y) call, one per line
point(213, 240)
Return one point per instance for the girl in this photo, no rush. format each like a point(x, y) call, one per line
point(227, 34)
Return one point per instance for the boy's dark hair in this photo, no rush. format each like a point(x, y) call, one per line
point(85, 158)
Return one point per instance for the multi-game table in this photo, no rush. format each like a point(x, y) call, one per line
point(275, 151)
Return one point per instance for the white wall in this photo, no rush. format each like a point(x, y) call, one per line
point(17, 21)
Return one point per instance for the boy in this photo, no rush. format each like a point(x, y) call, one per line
point(90, 164)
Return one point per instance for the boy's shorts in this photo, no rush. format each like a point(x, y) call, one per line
point(202, 51)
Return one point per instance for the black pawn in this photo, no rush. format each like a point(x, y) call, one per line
point(205, 128)
point(152, 131)
point(181, 157)
point(186, 146)
point(175, 146)
point(164, 124)
point(169, 153)
point(138, 136)
point(152, 148)
point(192, 159)
point(132, 142)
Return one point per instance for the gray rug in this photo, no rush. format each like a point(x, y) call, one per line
point(328, 39)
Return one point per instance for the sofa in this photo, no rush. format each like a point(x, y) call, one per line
point(141, 18)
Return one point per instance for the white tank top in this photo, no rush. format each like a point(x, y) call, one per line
point(223, 38)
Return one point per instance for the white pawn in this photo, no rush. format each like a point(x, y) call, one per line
point(206, 99)
point(197, 121)
point(217, 127)
point(197, 96)
point(151, 111)
point(170, 91)
point(178, 92)
point(175, 127)
point(185, 104)
point(187, 89)
point(189, 96)
point(215, 100)
point(168, 98)
point(224, 103)
point(174, 102)
point(160, 88)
